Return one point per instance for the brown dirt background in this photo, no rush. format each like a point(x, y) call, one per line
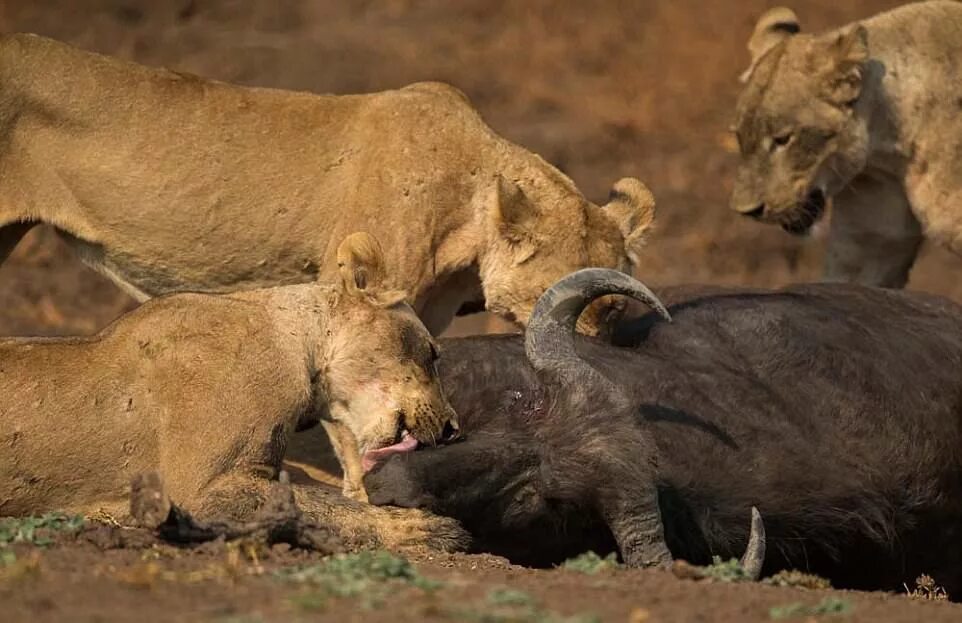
point(602, 89)
point(104, 576)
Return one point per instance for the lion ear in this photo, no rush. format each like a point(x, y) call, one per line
point(848, 53)
point(632, 207)
point(774, 26)
point(360, 264)
point(514, 216)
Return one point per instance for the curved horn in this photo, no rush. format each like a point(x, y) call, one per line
point(549, 338)
point(754, 557)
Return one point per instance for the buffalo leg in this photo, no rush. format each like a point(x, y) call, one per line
point(634, 518)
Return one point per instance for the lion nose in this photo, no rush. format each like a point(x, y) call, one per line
point(755, 213)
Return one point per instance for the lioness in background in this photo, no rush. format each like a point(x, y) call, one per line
point(206, 389)
point(870, 115)
point(165, 181)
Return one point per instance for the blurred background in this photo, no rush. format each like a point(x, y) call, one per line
point(601, 89)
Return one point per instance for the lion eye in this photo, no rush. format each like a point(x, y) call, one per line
point(780, 140)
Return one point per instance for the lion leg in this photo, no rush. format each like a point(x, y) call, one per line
point(873, 237)
point(365, 526)
point(235, 497)
point(235, 509)
point(10, 235)
point(347, 451)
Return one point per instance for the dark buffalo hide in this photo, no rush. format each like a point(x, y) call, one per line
point(835, 409)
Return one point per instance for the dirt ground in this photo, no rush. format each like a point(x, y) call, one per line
point(603, 90)
point(101, 575)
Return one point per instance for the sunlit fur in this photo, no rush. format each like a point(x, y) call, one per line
point(167, 182)
point(207, 388)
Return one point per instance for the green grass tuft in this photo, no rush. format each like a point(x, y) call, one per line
point(37, 530)
point(506, 605)
point(7, 558)
point(726, 571)
point(591, 563)
point(510, 597)
point(370, 576)
point(829, 605)
point(797, 579)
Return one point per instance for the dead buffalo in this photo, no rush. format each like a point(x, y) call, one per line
point(835, 409)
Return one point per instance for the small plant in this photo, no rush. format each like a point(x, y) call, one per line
point(504, 605)
point(829, 605)
point(240, 618)
point(310, 601)
point(510, 597)
point(368, 575)
point(726, 571)
point(591, 563)
point(797, 579)
point(37, 530)
point(926, 588)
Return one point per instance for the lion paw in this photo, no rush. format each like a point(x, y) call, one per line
point(413, 529)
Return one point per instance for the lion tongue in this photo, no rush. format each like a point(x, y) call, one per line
point(371, 458)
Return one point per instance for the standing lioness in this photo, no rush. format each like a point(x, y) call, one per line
point(165, 182)
point(206, 389)
point(871, 115)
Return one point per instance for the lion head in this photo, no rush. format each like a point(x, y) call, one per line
point(801, 120)
point(533, 244)
point(380, 373)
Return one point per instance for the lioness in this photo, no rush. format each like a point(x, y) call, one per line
point(206, 389)
point(164, 181)
point(869, 115)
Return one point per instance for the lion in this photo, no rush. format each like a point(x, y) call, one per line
point(165, 181)
point(867, 115)
point(206, 390)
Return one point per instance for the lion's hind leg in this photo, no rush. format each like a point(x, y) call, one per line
point(238, 508)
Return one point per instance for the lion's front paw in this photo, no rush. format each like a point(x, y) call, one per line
point(408, 529)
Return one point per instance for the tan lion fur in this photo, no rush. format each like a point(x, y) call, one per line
point(165, 182)
point(206, 389)
point(872, 115)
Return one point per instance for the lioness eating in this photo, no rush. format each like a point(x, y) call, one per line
point(167, 182)
point(868, 115)
point(206, 389)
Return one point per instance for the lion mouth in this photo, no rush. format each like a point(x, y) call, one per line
point(408, 443)
point(801, 221)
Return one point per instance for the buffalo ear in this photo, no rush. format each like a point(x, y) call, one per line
point(632, 207)
point(774, 26)
point(847, 54)
point(514, 217)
